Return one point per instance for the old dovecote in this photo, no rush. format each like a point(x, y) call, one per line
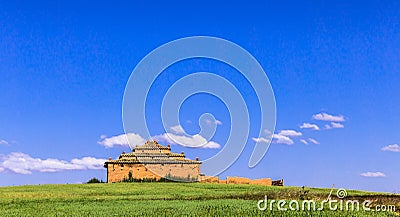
point(152, 161)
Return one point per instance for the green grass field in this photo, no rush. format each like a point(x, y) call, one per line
point(168, 199)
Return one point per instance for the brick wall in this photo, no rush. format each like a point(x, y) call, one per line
point(117, 172)
point(236, 180)
point(241, 180)
point(209, 179)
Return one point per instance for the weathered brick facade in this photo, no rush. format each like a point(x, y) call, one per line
point(152, 160)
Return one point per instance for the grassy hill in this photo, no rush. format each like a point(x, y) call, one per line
point(169, 199)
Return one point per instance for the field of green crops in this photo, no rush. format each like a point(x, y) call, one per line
point(168, 199)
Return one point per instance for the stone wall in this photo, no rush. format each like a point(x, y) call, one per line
point(236, 180)
point(209, 179)
point(264, 181)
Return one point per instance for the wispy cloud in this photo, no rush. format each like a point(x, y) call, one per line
point(309, 126)
point(290, 133)
point(334, 125)
point(188, 141)
point(283, 137)
point(217, 122)
point(177, 129)
point(133, 139)
point(22, 163)
point(328, 117)
point(212, 145)
point(261, 140)
point(373, 174)
point(303, 141)
point(392, 148)
point(3, 142)
point(268, 132)
point(337, 125)
point(122, 140)
point(313, 141)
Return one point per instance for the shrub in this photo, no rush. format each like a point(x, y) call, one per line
point(167, 178)
point(94, 180)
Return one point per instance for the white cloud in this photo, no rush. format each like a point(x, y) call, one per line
point(373, 174)
point(313, 141)
point(90, 163)
point(1, 169)
point(186, 141)
point(261, 140)
point(21, 163)
point(281, 139)
point(268, 132)
point(177, 129)
point(3, 142)
point(334, 125)
point(212, 145)
point(290, 133)
point(103, 136)
point(309, 126)
point(217, 122)
point(122, 140)
point(392, 148)
point(136, 139)
point(337, 125)
point(328, 117)
point(284, 137)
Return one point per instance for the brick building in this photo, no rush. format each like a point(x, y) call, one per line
point(152, 161)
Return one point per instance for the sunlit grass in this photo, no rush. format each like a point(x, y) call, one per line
point(162, 199)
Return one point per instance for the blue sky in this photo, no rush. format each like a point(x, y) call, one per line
point(64, 67)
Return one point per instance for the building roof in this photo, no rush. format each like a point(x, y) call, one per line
point(147, 154)
point(151, 145)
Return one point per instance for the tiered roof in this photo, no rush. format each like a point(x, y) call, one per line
point(152, 153)
point(151, 145)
